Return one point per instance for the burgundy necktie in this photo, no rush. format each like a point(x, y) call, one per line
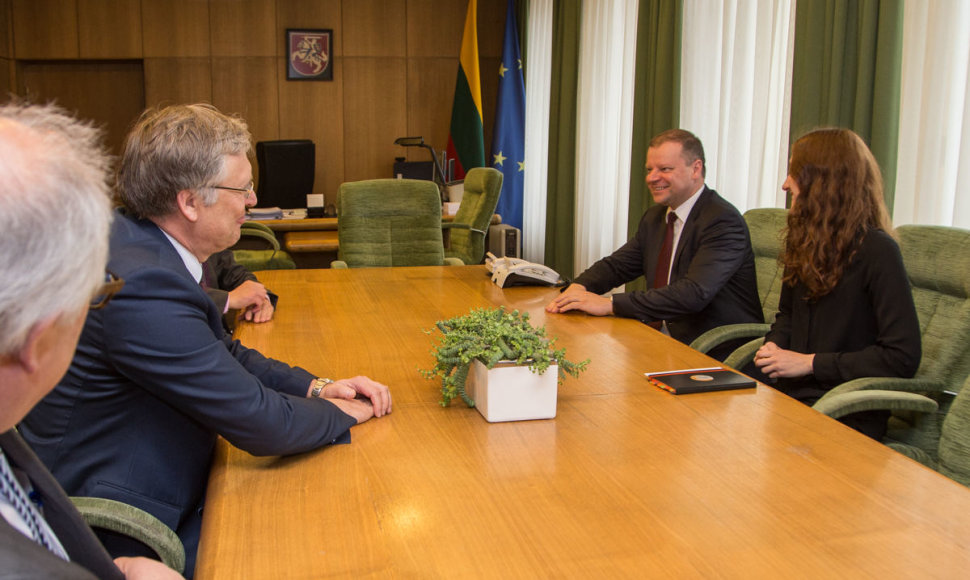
point(662, 274)
point(207, 280)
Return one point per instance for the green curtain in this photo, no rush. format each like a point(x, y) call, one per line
point(561, 189)
point(847, 62)
point(656, 96)
point(656, 93)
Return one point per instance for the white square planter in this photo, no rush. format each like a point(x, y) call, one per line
point(511, 392)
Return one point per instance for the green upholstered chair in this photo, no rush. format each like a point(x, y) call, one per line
point(951, 453)
point(258, 249)
point(390, 222)
point(134, 523)
point(766, 226)
point(937, 261)
point(482, 188)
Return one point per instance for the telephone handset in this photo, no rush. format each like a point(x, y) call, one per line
point(516, 272)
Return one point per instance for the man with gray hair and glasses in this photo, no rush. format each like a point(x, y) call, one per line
point(155, 378)
point(54, 220)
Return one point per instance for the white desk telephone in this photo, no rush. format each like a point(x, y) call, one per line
point(516, 272)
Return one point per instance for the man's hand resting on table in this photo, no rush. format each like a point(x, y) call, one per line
point(346, 393)
point(253, 299)
point(575, 297)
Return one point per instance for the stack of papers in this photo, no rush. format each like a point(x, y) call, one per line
point(265, 213)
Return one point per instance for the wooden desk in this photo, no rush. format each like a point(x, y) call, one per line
point(301, 224)
point(627, 481)
point(317, 234)
point(307, 241)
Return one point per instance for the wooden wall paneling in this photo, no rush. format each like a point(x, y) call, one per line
point(375, 27)
point(175, 28)
point(243, 28)
point(45, 29)
point(109, 93)
point(7, 79)
point(6, 30)
point(307, 14)
point(170, 81)
point(431, 92)
point(248, 87)
point(489, 99)
point(375, 114)
point(314, 110)
point(435, 27)
point(491, 28)
point(109, 28)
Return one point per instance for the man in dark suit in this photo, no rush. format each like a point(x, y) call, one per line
point(54, 220)
point(155, 378)
point(707, 277)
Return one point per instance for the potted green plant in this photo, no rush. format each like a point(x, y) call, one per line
point(486, 356)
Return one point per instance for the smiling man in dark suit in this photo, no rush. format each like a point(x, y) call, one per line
point(692, 248)
point(155, 378)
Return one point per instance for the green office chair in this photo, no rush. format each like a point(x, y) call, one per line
point(258, 249)
point(937, 261)
point(483, 185)
point(766, 227)
point(390, 222)
point(950, 453)
point(121, 518)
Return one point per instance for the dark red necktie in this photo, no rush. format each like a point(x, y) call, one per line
point(662, 273)
point(207, 276)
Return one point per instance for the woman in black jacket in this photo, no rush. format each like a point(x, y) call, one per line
point(846, 310)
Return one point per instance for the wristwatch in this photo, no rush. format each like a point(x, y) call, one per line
point(318, 385)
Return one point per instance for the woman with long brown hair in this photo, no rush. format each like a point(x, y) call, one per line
point(846, 310)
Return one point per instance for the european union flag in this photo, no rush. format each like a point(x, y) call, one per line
point(508, 143)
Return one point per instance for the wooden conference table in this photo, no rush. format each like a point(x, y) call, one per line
point(627, 481)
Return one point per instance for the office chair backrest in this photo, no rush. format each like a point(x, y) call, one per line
point(286, 171)
point(483, 185)
point(389, 222)
point(258, 249)
point(937, 261)
point(766, 226)
point(954, 452)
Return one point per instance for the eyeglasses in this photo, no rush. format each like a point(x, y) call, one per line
point(111, 286)
point(246, 191)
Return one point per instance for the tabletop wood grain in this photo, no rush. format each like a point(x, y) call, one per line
point(626, 481)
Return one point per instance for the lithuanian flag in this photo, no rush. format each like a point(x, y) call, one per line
point(466, 139)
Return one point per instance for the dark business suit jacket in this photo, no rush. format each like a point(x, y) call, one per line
point(22, 557)
point(712, 278)
point(154, 380)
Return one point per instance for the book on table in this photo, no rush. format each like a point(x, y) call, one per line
point(685, 381)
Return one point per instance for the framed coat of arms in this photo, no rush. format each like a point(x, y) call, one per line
point(309, 55)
